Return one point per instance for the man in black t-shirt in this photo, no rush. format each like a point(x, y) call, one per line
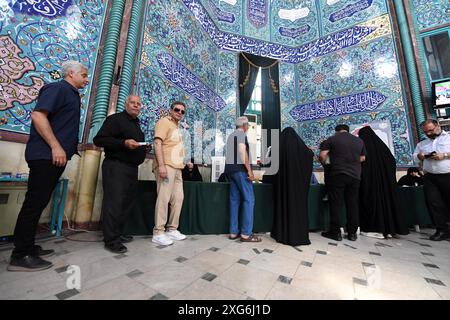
point(345, 153)
point(125, 149)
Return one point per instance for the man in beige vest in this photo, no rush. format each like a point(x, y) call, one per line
point(167, 166)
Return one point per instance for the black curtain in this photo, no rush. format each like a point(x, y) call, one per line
point(247, 79)
point(270, 88)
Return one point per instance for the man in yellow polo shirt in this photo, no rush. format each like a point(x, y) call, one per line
point(167, 166)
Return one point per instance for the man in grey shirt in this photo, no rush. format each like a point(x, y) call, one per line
point(240, 175)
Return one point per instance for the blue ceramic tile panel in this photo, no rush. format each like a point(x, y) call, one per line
point(287, 94)
point(237, 43)
point(179, 61)
point(341, 14)
point(257, 19)
point(36, 37)
point(356, 69)
point(227, 14)
point(431, 13)
point(174, 28)
point(294, 22)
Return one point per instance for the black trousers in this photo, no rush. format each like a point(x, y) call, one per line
point(120, 182)
point(342, 188)
point(42, 180)
point(437, 195)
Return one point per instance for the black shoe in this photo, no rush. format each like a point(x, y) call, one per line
point(440, 235)
point(38, 251)
point(116, 247)
point(28, 263)
point(126, 239)
point(352, 236)
point(332, 235)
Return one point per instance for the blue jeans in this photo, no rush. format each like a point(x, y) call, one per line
point(241, 189)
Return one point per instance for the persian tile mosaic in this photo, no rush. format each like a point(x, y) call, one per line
point(430, 13)
point(294, 23)
point(347, 71)
point(232, 42)
point(340, 14)
point(358, 85)
point(180, 62)
point(176, 30)
point(36, 37)
point(369, 65)
point(289, 22)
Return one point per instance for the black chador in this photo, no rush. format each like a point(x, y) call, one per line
point(291, 187)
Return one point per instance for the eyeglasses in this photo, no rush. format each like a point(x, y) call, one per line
point(177, 110)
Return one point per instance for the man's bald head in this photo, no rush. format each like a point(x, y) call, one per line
point(133, 105)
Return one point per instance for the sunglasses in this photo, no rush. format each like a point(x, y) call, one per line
point(177, 110)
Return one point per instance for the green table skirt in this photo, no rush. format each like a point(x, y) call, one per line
point(205, 208)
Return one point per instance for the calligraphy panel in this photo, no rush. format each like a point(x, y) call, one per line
point(340, 14)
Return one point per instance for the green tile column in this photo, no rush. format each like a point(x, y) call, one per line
point(130, 54)
point(410, 61)
point(107, 67)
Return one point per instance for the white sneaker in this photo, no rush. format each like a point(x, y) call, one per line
point(175, 235)
point(162, 239)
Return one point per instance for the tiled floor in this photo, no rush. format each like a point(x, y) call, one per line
point(213, 267)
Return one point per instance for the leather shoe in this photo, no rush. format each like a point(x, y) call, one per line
point(440, 235)
point(28, 263)
point(116, 248)
point(332, 235)
point(38, 251)
point(126, 239)
point(352, 236)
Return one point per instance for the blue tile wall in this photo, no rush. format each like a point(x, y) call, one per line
point(360, 79)
point(313, 19)
point(288, 93)
point(356, 69)
point(294, 32)
point(430, 13)
point(179, 61)
point(36, 37)
point(356, 85)
point(256, 22)
point(340, 14)
point(174, 28)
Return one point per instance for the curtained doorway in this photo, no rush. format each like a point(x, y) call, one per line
point(260, 99)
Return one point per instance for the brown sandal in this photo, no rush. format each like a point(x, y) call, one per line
point(235, 237)
point(251, 238)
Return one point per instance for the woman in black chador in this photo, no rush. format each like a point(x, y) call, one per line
point(291, 187)
point(380, 209)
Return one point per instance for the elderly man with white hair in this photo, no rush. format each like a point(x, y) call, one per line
point(240, 175)
point(53, 140)
point(125, 148)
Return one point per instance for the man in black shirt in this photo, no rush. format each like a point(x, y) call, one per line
point(123, 142)
point(55, 123)
point(345, 152)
